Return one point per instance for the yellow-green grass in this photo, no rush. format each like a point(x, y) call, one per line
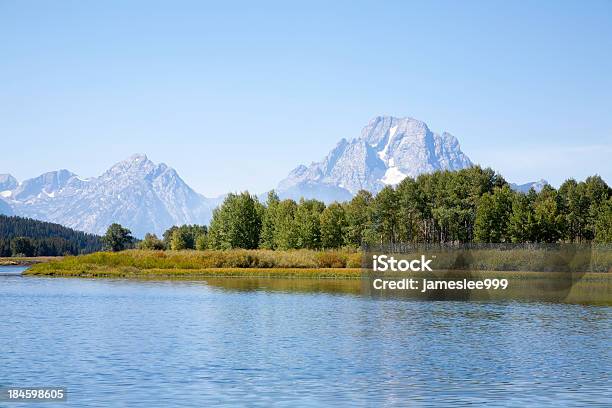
point(266, 263)
point(238, 258)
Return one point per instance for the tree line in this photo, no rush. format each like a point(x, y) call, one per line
point(27, 237)
point(469, 205)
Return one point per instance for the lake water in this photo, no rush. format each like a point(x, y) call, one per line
point(256, 342)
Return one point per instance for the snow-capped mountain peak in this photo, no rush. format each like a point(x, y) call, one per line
point(388, 150)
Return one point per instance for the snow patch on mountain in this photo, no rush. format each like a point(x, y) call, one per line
point(393, 176)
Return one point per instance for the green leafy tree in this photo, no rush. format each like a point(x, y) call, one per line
point(184, 236)
point(603, 223)
point(117, 238)
point(574, 206)
point(286, 234)
point(384, 216)
point(359, 228)
point(333, 224)
point(546, 215)
point(410, 210)
point(152, 242)
point(522, 225)
point(596, 193)
point(308, 223)
point(181, 239)
point(236, 223)
point(167, 236)
point(201, 242)
point(493, 215)
point(268, 222)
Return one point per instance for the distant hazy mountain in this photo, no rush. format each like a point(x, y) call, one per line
point(46, 184)
point(388, 150)
point(5, 208)
point(7, 182)
point(524, 188)
point(137, 193)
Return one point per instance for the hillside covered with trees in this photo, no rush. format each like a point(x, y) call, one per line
point(470, 205)
point(28, 237)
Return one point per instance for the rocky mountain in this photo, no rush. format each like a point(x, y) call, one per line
point(137, 193)
point(7, 182)
point(388, 150)
point(524, 188)
point(47, 184)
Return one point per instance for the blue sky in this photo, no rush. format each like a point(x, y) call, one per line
point(236, 94)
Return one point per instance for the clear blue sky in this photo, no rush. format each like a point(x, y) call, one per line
point(236, 94)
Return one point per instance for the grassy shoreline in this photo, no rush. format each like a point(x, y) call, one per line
point(248, 269)
point(130, 272)
point(93, 271)
point(23, 261)
point(338, 264)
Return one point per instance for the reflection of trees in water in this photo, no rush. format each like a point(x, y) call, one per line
point(349, 286)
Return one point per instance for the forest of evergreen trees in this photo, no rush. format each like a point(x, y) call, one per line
point(27, 237)
point(470, 205)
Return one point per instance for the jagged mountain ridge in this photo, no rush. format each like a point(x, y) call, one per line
point(388, 150)
point(137, 193)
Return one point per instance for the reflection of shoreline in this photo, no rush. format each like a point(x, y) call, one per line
point(337, 286)
point(592, 288)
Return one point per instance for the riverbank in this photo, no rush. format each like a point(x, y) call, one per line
point(308, 263)
point(23, 261)
point(181, 264)
point(97, 271)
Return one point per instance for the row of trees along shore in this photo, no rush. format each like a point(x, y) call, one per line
point(470, 205)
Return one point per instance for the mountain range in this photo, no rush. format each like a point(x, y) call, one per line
point(137, 193)
point(149, 197)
